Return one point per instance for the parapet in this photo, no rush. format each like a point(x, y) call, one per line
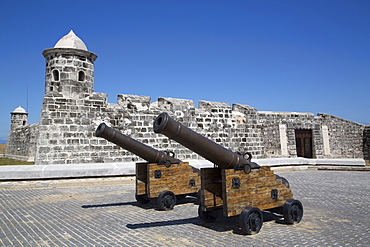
point(287, 113)
point(335, 118)
point(98, 96)
point(134, 102)
point(172, 104)
point(208, 105)
point(246, 109)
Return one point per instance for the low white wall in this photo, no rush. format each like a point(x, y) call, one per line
point(121, 169)
point(305, 161)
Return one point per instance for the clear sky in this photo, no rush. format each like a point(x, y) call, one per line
point(303, 56)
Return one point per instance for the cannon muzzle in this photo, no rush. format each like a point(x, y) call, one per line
point(145, 152)
point(222, 157)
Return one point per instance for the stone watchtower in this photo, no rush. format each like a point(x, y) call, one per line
point(65, 127)
point(19, 117)
point(21, 139)
point(69, 68)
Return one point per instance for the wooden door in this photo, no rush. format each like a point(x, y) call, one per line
point(303, 138)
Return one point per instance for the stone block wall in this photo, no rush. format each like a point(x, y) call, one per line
point(22, 142)
point(65, 134)
point(248, 130)
point(345, 137)
point(291, 121)
point(67, 127)
point(367, 142)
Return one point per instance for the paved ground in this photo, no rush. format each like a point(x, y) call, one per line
point(336, 205)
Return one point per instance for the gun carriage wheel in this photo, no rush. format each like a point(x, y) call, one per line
point(251, 220)
point(292, 211)
point(166, 200)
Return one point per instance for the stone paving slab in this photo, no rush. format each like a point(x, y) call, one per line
point(336, 213)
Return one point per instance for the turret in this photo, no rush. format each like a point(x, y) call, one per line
point(69, 68)
point(19, 117)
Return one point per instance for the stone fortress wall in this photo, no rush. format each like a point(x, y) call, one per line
point(71, 112)
point(22, 137)
point(366, 137)
point(21, 143)
point(70, 139)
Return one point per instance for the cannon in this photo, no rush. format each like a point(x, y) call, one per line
point(162, 177)
point(236, 185)
point(197, 143)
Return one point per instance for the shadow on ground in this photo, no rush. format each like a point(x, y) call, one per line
point(223, 224)
point(151, 205)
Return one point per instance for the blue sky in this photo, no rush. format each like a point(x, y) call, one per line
point(304, 56)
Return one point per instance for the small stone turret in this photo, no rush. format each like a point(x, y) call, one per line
point(19, 117)
point(69, 68)
point(22, 136)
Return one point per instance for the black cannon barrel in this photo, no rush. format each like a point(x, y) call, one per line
point(145, 152)
point(199, 144)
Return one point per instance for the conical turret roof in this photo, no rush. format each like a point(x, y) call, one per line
point(71, 41)
point(19, 110)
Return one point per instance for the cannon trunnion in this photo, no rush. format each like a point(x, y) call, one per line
point(236, 186)
point(163, 177)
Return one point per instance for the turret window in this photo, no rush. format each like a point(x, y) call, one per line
point(56, 75)
point(81, 76)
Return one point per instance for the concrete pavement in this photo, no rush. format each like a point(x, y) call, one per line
point(336, 213)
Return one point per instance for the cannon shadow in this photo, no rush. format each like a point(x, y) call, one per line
point(109, 205)
point(151, 205)
point(222, 224)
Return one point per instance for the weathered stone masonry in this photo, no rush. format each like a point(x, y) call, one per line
point(71, 111)
point(367, 143)
point(22, 136)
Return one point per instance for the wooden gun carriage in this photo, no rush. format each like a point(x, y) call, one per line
point(236, 186)
point(162, 177)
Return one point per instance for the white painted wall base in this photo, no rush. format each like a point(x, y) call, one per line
point(23, 172)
